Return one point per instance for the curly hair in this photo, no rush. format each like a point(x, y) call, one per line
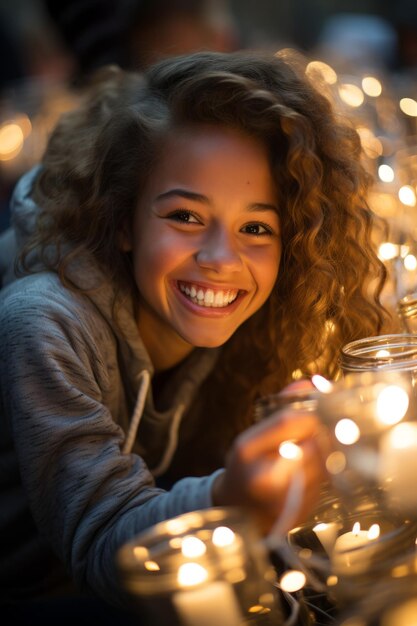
point(330, 279)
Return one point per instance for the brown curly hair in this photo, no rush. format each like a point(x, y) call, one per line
point(330, 279)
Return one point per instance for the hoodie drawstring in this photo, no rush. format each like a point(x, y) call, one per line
point(138, 412)
point(135, 421)
point(172, 442)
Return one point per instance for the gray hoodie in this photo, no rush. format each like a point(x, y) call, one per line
point(80, 438)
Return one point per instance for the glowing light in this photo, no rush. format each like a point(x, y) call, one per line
point(332, 580)
point(290, 450)
point(403, 436)
point(293, 580)
point(223, 536)
point(336, 462)
point(374, 531)
point(391, 405)
point(371, 145)
point(321, 383)
point(347, 431)
point(371, 86)
point(410, 262)
point(408, 106)
point(11, 141)
point(152, 566)
point(381, 354)
point(192, 547)
point(351, 95)
point(297, 374)
point(386, 173)
point(190, 574)
point(328, 74)
point(407, 195)
point(140, 552)
point(22, 120)
point(388, 251)
point(356, 529)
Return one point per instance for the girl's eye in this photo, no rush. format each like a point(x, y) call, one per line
point(184, 217)
point(258, 229)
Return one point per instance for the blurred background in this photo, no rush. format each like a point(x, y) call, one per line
point(361, 53)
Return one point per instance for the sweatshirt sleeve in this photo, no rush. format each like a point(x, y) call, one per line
point(86, 497)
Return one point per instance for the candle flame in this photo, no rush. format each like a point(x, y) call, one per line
point(391, 405)
point(190, 574)
point(374, 531)
point(290, 450)
point(356, 528)
point(223, 536)
point(192, 547)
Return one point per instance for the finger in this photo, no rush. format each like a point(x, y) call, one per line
point(265, 437)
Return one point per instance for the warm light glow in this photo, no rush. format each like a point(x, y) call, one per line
point(293, 580)
point(336, 462)
point(327, 72)
point(190, 574)
point(321, 526)
point(386, 173)
point(140, 552)
point(408, 106)
point(11, 141)
point(332, 580)
point(371, 86)
point(290, 450)
point(192, 547)
point(371, 145)
point(391, 405)
point(407, 195)
point(152, 566)
point(297, 374)
point(347, 431)
point(410, 262)
point(381, 354)
point(22, 120)
point(403, 436)
point(351, 95)
point(356, 529)
point(374, 531)
point(388, 251)
point(321, 383)
point(223, 536)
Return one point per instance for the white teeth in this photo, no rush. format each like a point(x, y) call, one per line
point(209, 297)
point(218, 298)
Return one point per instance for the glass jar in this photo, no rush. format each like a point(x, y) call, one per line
point(383, 352)
point(201, 568)
point(407, 311)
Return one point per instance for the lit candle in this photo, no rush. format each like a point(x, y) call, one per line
point(353, 550)
point(211, 604)
point(398, 466)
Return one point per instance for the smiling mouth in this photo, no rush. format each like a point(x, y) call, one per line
point(206, 297)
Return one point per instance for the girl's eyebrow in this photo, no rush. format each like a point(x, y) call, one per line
point(199, 197)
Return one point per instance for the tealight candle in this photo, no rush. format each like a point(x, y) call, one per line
point(353, 551)
point(214, 603)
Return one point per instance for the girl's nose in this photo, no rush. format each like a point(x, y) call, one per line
point(219, 253)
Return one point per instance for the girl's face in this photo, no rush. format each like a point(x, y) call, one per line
point(205, 240)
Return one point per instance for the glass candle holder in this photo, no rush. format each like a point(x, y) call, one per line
point(407, 311)
point(383, 352)
point(200, 569)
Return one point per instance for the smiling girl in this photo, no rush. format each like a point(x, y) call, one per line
point(189, 239)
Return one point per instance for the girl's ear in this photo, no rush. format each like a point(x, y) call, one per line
point(124, 236)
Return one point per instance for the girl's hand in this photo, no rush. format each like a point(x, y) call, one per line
point(257, 477)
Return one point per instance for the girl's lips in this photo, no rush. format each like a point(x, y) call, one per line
point(208, 310)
